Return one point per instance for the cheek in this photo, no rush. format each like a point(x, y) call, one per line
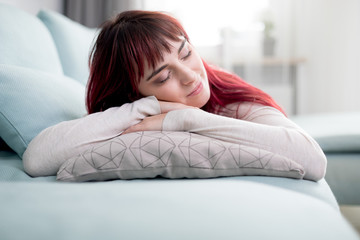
point(148, 90)
point(199, 65)
point(143, 90)
point(168, 92)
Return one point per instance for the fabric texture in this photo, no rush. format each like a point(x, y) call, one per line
point(73, 42)
point(56, 144)
point(257, 126)
point(11, 170)
point(335, 132)
point(32, 101)
point(193, 209)
point(26, 42)
point(173, 155)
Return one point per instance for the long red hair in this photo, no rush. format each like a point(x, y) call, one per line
point(134, 38)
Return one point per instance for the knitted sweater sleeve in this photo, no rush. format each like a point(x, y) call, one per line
point(256, 126)
point(54, 145)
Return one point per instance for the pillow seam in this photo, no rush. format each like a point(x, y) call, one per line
point(18, 133)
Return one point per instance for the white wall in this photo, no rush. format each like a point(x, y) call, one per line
point(33, 6)
point(327, 33)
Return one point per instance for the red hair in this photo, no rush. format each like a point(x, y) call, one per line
point(227, 88)
point(135, 38)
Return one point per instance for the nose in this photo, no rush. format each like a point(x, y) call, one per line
point(186, 75)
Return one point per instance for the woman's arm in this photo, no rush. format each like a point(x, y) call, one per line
point(257, 126)
point(54, 145)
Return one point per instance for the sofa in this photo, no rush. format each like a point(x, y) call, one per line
point(43, 75)
point(338, 134)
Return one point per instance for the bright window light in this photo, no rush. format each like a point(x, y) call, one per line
point(204, 19)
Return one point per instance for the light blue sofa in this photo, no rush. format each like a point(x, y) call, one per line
point(339, 136)
point(43, 71)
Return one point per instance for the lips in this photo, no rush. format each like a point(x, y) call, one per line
point(197, 90)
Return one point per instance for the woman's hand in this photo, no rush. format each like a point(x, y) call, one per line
point(152, 123)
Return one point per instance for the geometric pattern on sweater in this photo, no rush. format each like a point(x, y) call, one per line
point(152, 154)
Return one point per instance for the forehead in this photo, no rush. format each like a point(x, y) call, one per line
point(173, 48)
point(174, 45)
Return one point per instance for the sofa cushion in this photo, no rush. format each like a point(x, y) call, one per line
point(32, 100)
point(73, 41)
point(26, 42)
point(173, 155)
point(335, 132)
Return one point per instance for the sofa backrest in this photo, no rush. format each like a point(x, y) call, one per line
point(73, 42)
point(36, 90)
point(26, 42)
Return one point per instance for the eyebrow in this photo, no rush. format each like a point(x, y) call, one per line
point(182, 46)
point(157, 71)
point(164, 66)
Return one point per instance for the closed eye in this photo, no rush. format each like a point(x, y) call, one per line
point(187, 55)
point(162, 81)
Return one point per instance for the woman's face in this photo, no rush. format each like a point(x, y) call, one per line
point(180, 77)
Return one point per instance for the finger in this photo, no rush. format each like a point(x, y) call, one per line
point(131, 129)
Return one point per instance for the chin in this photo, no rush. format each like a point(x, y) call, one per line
point(201, 102)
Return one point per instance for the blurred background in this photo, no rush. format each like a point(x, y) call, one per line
point(305, 53)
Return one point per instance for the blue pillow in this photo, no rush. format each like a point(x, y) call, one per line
point(73, 41)
point(26, 42)
point(32, 100)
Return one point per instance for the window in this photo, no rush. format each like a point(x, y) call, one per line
point(204, 20)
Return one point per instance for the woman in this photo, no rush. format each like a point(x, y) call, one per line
point(145, 75)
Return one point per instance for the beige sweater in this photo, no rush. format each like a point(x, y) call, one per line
point(247, 123)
